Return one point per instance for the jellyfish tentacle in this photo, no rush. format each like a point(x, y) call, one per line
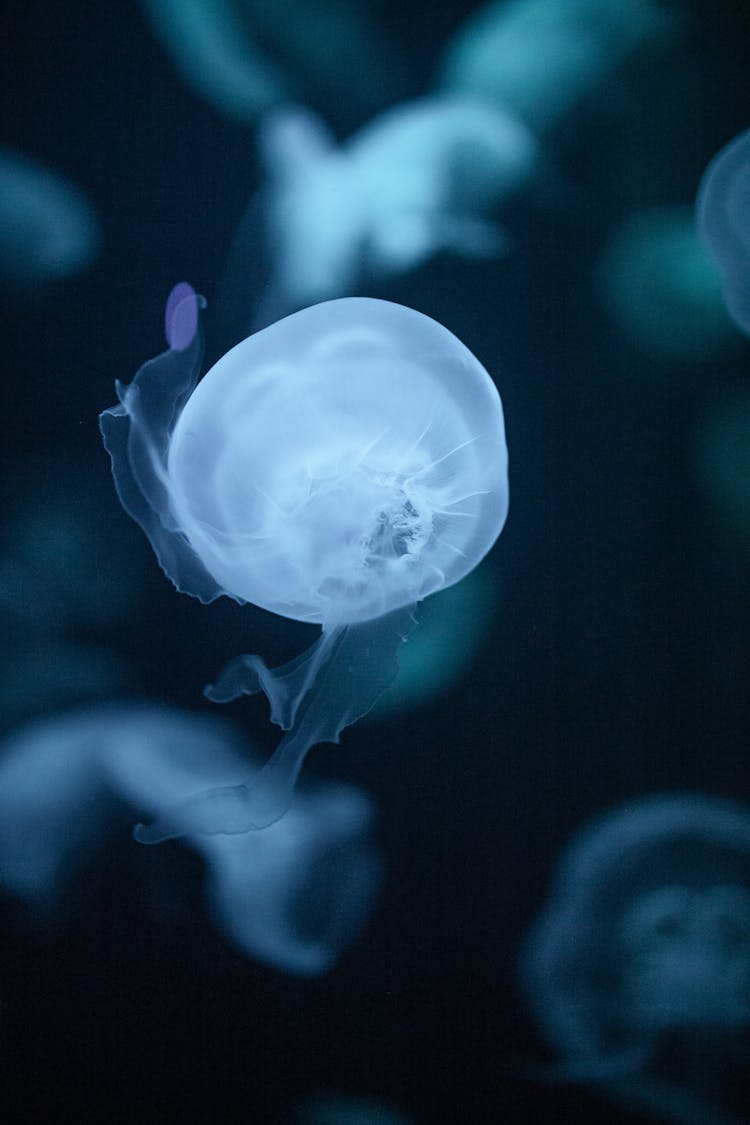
point(314, 698)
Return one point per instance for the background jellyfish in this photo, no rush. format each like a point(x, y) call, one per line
point(453, 627)
point(424, 177)
point(539, 58)
point(48, 230)
point(246, 56)
point(335, 468)
point(293, 897)
point(661, 287)
point(68, 578)
point(723, 216)
point(53, 808)
point(638, 969)
point(338, 1109)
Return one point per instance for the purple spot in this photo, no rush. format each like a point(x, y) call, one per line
point(181, 316)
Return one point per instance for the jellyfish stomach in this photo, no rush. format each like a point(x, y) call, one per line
point(361, 543)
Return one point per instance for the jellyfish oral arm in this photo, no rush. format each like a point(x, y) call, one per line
point(313, 698)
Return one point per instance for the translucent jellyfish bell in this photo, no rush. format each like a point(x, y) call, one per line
point(723, 217)
point(638, 968)
point(335, 468)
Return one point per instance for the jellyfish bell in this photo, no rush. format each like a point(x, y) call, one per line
point(638, 968)
point(723, 220)
point(335, 468)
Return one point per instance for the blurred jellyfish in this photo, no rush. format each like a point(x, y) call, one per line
point(300, 892)
point(638, 969)
point(723, 217)
point(53, 807)
point(335, 468)
point(424, 177)
point(48, 230)
point(338, 1109)
point(67, 571)
point(246, 56)
point(65, 563)
point(540, 58)
point(453, 626)
point(721, 456)
point(661, 287)
point(294, 896)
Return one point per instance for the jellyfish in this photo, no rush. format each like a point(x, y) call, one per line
point(299, 893)
point(723, 217)
point(335, 468)
point(423, 177)
point(246, 56)
point(53, 809)
point(539, 58)
point(342, 1109)
point(661, 287)
point(638, 969)
point(294, 897)
point(48, 230)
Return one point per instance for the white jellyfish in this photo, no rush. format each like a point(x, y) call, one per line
point(335, 468)
point(423, 177)
point(293, 897)
point(638, 969)
point(723, 216)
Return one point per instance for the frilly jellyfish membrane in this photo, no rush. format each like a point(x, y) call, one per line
point(335, 468)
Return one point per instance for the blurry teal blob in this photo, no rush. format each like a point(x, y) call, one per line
point(722, 459)
point(335, 468)
point(294, 897)
point(48, 229)
point(246, 56)
point(638, 968)
point(723, 216)
point(426, 176)
point(540, 58)
point(338, 1109)
point(453, 627)
point(56, 571)
point(662, 288)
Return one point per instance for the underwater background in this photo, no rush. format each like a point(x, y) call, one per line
point(597, 656)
